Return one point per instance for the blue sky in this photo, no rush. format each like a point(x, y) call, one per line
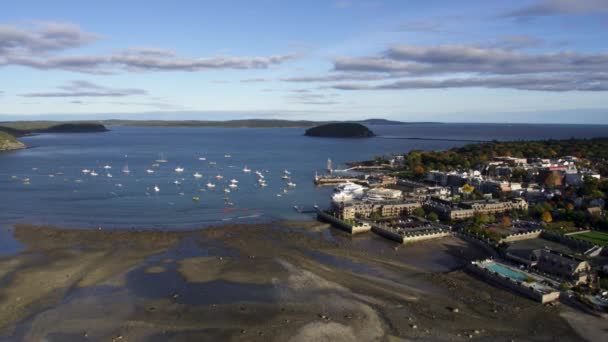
point(479, 61)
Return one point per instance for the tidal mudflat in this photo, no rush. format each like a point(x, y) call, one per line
point(296, 281)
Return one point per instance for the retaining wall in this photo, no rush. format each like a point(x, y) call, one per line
point(522, 236)
point(341, 224)
point(513, 285)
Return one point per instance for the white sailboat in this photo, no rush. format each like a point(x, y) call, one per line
point(126, 169)
point(161, 158)
point(107, 167)
point(246, 169)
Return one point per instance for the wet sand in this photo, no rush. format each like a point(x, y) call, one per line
point(298, 281)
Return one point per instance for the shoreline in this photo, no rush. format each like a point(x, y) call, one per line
point(278, 281)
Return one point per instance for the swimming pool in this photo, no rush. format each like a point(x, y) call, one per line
point(507, 272)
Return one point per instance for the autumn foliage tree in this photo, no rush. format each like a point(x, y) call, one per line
point(547, 217)
point(506, 221)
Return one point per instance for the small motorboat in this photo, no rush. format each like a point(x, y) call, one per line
point(197, 175)
point(150, 171)
point(246, 169)
point(179, 169)
point(196, 198)
point(156, 188)
point(210, 185)
point(107, 167)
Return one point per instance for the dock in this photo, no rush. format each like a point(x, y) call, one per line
point(333, 180)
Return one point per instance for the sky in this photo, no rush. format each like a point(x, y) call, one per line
point(541, 61)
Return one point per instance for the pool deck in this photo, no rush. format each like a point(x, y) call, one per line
point(534, 289)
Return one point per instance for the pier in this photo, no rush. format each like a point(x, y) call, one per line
point(333, 180)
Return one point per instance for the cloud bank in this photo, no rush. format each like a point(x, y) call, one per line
point(43, 48)
point(560, 7)
point(461, 66)
point(81, 88)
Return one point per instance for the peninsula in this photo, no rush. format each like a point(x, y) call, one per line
point(340, 130)
point(10, 131)
point(9, 142)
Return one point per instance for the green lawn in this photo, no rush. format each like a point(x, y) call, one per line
point(597, 238)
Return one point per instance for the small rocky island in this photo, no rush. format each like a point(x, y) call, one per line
point(340, 130)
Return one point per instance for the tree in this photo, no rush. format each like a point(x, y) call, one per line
point(375, 216)
point(418, 212)
point(547, 217)
point(433, 217)
point(467, 189)
point(419, 170)
point(506, 221)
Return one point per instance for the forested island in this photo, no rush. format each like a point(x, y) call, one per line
point(340, 130)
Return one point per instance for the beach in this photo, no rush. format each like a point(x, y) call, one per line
point(295, 281)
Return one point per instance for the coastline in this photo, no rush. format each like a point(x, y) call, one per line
point(281, 280)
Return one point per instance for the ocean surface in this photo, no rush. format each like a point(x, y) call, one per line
point(59, 193)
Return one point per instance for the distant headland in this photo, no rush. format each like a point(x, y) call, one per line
point(340, 130)
point(9, 142)
point(9, 131)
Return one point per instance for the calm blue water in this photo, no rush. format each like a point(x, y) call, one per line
point(98, 201)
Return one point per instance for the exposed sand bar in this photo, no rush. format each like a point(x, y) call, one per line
point(296, 281)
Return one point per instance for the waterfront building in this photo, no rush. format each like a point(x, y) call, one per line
point(464, 210)
point(564, 266)
point(385, 209)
